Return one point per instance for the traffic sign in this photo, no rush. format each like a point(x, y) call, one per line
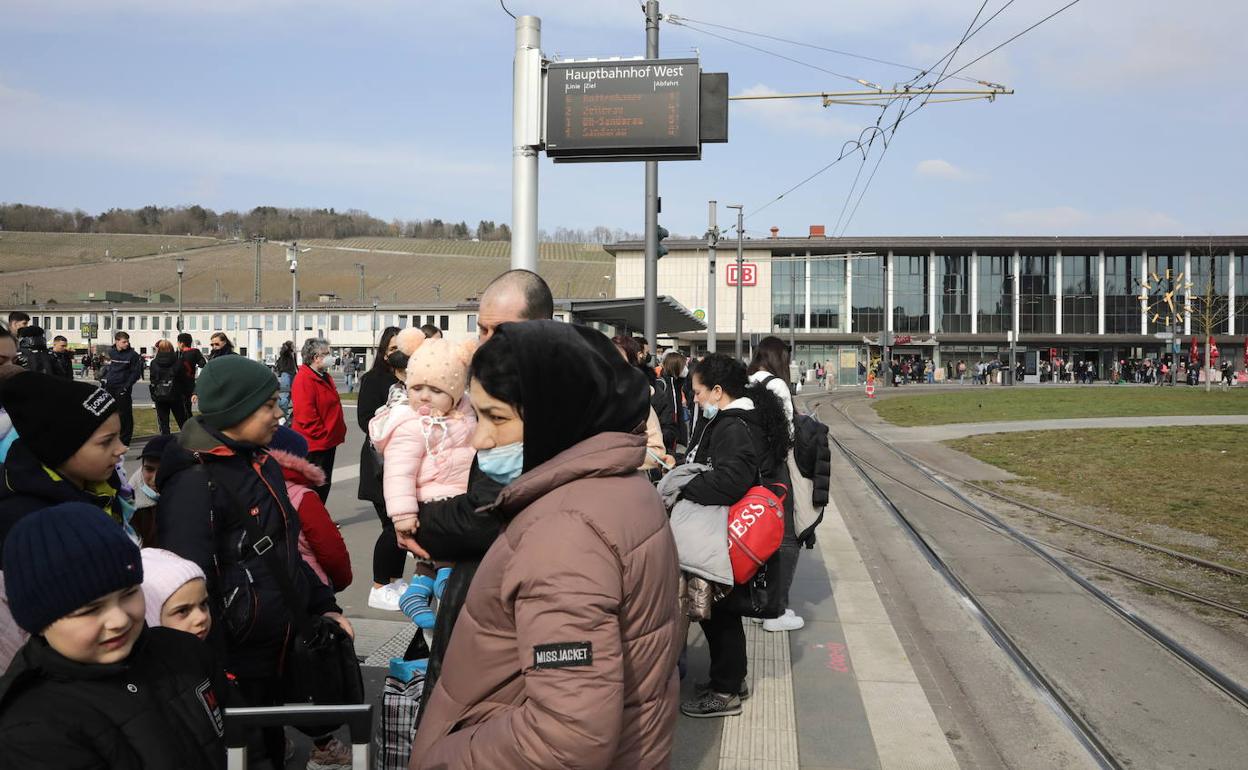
point(90, 330)
point(1164, 335)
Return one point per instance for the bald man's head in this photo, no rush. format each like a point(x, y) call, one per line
point(516, 295)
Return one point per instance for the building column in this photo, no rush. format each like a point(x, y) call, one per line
point(888, 292)
point(1187, 293)
point(808, 290)
point(847, 322)
point(1017, 298)
point(1230, 293)
point(1143, 272)
point(1057, 292)
point(932, 306)
point(974, 284)
point(1100, 293)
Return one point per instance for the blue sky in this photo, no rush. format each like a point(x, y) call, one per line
point(1128, 116)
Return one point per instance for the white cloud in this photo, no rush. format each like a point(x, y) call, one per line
point(1068, 220)
point(940, 169)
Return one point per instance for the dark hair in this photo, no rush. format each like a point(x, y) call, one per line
point(673, 363)
point(494, 366)
point(224, 340)
point(632, 351)
point(121, 336)
point(18, 315)
point(379, 361)
point(60, 338)
point(430, 331)
point(286, 358)
point(538, 302)
point(185, 339)
point(771, 355)
point(723, 370)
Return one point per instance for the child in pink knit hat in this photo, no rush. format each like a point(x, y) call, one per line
point(176, 593)
point(426, 446)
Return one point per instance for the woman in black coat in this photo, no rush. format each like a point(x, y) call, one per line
point(388, 558)
point(745, 439)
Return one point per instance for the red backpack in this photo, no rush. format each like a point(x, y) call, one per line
point(755, 529)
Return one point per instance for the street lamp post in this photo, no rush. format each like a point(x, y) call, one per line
point(375, 322)
point(292, 256)
point(740, 258)
point(181, 269)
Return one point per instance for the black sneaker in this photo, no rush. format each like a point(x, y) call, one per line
point(702, 688)
point(712, 704)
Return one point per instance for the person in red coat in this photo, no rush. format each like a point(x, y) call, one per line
point(317, 410)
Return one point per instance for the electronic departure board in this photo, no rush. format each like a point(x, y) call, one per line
point(643, 109)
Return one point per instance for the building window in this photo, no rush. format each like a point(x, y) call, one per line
point(868, 286)
point(1210, 309)
point(444, 322)
point(1122, 294)
point(108, 322)
point(334, 322)
point(168, 323)
point(1079, 312)
point(472, 322)
point(429, 320)
point(203, 323)
point(788, 293)
point(192, 323)
point(910, 283)
point(281, 323)
point(347, 321)
point(1241, 292)
point(217, 322)
point(955, 294)
point(71, 322)
point(130, 323)
point(995, 294)
point(1037, 313)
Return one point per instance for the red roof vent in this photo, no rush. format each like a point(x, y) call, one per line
point(775, 231)
point(817, 231)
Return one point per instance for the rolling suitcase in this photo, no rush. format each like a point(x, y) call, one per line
point(239, 721)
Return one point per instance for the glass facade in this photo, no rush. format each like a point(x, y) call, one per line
point(1122, 294)
point(995, 294)
point(1210, 309)
point(955, 294)
point(1037, 280)
point(868, 291)
point(1241, 293)
point(910, 284)
point(788, 293)
point(827, 294)
point(1079, 295)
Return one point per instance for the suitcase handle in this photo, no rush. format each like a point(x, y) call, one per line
point(358, 719)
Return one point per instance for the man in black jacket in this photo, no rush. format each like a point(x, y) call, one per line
point(124, 368)
point(191, 360)
point(62, 358)
point(216, 474)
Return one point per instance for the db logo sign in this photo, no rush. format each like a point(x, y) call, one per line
point(749, 274)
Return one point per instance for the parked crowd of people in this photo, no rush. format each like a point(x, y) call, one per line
point(136, 604)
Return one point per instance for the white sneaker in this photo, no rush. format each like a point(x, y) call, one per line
point(789, 621)
point(386, 597)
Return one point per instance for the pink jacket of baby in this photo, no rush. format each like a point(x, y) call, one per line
point(424, 458)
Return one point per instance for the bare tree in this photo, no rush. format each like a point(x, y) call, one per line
point(1210, 308)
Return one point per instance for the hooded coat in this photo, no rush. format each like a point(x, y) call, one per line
point(565, 652)
point(320, 543)
point(425, 459)
point(162, 707)
point(251, 621)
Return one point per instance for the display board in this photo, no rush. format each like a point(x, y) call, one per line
point(644, 109)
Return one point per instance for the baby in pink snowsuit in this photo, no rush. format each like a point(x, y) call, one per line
point(426, 446)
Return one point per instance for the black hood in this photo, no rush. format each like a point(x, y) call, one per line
point(166, 358)
point(574, 384)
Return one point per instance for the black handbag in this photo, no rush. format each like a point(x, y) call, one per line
point(758, 598)
point(321, 665)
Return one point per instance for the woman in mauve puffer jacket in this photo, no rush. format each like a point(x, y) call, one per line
point(564, 655)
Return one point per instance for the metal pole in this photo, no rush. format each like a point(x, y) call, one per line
point(181, 268)
point(526, 116)
point(256, 288)
point(886, 359)
point(740, 258)
point(712, 284)
point(374, 322)
point(792, 311)
point(294, 304)
point(360, 265)
point(650, 318)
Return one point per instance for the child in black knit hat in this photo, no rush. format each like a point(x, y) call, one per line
point(94, 687)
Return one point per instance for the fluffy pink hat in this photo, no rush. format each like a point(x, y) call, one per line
point(164, 573)
point(442, 364)
point(409, 340)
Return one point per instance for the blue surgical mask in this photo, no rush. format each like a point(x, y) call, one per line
point(503, 463)
point(151, 493)
point(709, 411)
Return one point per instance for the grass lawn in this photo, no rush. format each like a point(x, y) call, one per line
point(1188, 479)
point(990, 404)
point(145, 421)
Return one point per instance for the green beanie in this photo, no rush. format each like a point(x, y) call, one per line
point(232, 387)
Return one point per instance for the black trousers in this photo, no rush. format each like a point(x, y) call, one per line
point(725, 636)
point(187, 408)
point(388, 558)
point(163, 409)
point(325, 459)
point(125, 409)
point(266, 692)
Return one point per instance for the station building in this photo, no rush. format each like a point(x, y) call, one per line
point(959, 298)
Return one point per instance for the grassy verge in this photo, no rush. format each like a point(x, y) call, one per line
point(990, 404)
point(1185, 487)
point(145, 421)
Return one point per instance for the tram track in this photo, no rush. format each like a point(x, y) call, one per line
point(1100, 725)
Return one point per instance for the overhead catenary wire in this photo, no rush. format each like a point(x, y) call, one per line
point(504, 5)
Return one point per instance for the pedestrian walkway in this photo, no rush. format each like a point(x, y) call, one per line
point(963, 429)
point(840, 693)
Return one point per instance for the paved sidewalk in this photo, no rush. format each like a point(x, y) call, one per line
point(963, 429)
